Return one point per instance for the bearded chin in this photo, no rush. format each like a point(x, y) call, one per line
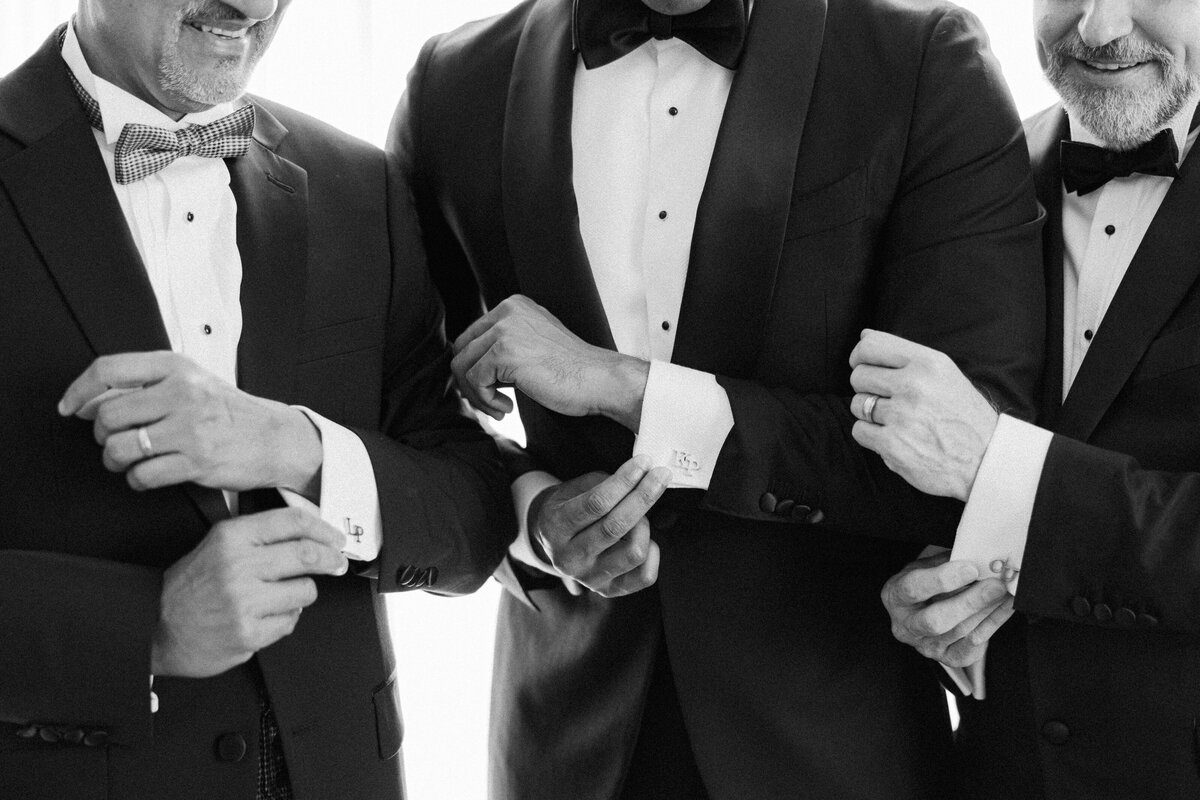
point(225, 83)
point(1122, 117)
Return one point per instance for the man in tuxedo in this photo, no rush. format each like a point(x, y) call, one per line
point(680, 214)
point(1092, 686)
point(212, 305)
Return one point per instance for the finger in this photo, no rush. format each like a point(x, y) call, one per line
point(640, 578)
point(921, 585)
point(269, 630)
point(582, 510)
point(870, 436)
point(123, 450)
point(626, 555)
point(629, 512)
point(131, 410)
point(869, 379)
point(477, 328)
point(984, 631)
point(159, 471)
point(486, 378)
point(474, 381)
point(883, 350)
point(299, 557)
point(573, 586)
point(88, 410)
point(124, 370)
point(286, 524)
point(858, 408)
point(288, 596)
point(945, 615)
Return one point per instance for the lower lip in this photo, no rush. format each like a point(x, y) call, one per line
point(222, 45)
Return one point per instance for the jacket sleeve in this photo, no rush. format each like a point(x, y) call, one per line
point(957, 268)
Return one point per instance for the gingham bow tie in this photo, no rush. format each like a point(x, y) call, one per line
point(143, 150)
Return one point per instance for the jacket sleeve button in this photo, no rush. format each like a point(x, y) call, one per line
point(1056, 732)
point(816, 517)
point(784, 508)
point(96, 738)
point(767, 503)
point(1125, 617)
point(1081, 606)
point(1147, 620)
point(1102, 612)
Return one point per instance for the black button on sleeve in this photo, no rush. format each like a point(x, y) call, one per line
point(1102, 612)
point(815, 517)
point(784, 509)
point(767, 503)
point(1147, 620)
point(1081, 606)
point(97, 738)
point(1056, 732)
point(1125, 617)
point(231, 747)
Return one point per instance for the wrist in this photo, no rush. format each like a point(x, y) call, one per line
point(625, 389)
point(300, 454)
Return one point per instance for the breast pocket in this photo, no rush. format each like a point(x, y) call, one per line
point(829, 206)
point(1172, 352)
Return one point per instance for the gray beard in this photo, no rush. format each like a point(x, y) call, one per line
point(221, 85)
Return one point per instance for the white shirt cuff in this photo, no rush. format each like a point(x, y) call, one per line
point(995, 524)
point(524, 490)
point(349, 498)
point(686, 417)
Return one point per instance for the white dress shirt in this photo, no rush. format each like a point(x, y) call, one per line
point(643, 130)
point(183, 220)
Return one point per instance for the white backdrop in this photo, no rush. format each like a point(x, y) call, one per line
point(346, 62)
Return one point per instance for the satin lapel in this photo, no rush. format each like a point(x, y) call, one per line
point(62, 193)
point(272, 234)
point(743, 211)
point(1166, 265)
point(540, 212)
point(1044, 134)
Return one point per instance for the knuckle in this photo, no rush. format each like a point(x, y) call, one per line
point(595, 503)
point(308, 552)
point(613, 527)
point(308, 592)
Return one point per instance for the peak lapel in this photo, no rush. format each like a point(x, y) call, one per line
point(540, 211)
point(1043, 134)
point(741, 220)
point(272, 234)
point(1164, 268)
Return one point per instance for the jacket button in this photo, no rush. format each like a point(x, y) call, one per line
point(1147, 620)
point(1125, 617)
point(767, 503)
point(73, 735)
point(48, 734)
point(405, 575)
point(1056, 732)
point(231, 747)
point(431, 576)
point(816, 517)
point(1102, 612)
point(28, 732)
point(96, 739)
point(1081, 606)
point(784, 509)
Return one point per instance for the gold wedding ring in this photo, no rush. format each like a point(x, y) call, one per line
point(868, 408)
point(144, 443)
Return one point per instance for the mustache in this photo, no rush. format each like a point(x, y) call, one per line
point(211, 9)
point(1125, 49)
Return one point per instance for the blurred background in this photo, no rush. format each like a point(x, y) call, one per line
point(346, 62)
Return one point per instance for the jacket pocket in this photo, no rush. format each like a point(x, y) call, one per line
point(830, 206)
point(1172, 352)
point(388, 726)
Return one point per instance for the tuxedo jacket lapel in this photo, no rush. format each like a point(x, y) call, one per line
point(1044, 133)
point(1165, 267)
point(540, 211)
point(272, 234)
point(743, 212)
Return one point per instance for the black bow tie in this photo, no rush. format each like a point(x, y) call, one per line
point(605, 30)
point(1085, 167)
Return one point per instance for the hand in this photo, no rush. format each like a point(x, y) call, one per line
point(929, 423)
point(241, 590)
point(593, 528)
point(941, 608)
point(200, 428)
point(519, 343)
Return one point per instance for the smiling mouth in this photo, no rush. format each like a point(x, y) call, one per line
point(221, 33)
point(1110, 66)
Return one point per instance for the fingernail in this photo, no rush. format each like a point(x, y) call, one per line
point(995, 591)
point(643, 462)
point(62, 408)
point(344, 567)
point(968, 573)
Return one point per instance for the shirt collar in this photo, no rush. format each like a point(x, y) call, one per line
point(118, 107)
point(1180, 126)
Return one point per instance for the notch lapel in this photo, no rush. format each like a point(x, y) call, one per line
point(540, 211)
point(60, 189)
point(272, 235)
point(1165, 266)
point(742, 217)
point(1043, 135)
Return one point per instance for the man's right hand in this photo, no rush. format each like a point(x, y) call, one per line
point(241, 590)
point(593, 528)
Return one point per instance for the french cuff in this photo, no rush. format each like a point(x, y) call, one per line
point(995, 524)
point(686, 418)
point(524, 490)
point(349, 498)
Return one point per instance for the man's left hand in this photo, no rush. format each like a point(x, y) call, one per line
point(928, 422)
point(163, 420)
point(519, 343)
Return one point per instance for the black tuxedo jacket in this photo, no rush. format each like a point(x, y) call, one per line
point(869, 171)
point(339, 315)
point(1098, 687)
